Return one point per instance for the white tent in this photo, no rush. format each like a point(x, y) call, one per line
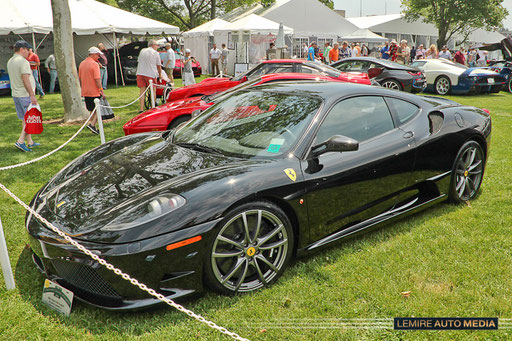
point(395, 26)
point(255, 24)
point(87, 17)
point(200, 38)
point(364, 35)
point(91, 21)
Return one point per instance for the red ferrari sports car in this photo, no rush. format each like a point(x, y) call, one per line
point(212, 85)
point(172, 114)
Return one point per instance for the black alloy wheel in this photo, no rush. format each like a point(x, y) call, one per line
point(391, 84)
point(251, 249)
point(442, 86)
point(467, 172)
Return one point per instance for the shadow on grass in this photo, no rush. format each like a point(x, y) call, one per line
point(129, 324)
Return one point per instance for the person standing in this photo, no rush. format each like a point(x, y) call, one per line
point(305, 50)
point(224, 59)
point(90, 82)
point(472, 57)
point(51, 66)
point(34, 61)
point(412, 54)
point(188, 74)
point(334, 53)
point(445, 53)
point(420, 52)
point(365, 51)
point(103, 65)
point(345, 51)
point(393, 49)
point(169, 61)
point(481, 59)
point(22, 90)
point(311, 52)
point(149, 68)
point(215, 54)
point(384, 52)
point(460, 56)
point(432, 52)
point(327, 50)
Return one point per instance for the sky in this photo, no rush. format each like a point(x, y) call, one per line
point(379, 7)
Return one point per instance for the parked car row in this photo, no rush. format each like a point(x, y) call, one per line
point(278, 167)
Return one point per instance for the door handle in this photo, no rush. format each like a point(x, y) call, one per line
point(408, 134)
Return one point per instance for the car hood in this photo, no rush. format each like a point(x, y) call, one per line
point(92, 197)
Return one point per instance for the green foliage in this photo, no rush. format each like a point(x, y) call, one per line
point(456, 17)
point(328, 3)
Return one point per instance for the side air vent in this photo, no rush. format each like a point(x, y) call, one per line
point(435, 119)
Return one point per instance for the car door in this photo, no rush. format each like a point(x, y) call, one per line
point(343, 189)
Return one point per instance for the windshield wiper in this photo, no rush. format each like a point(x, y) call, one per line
point(200, 147)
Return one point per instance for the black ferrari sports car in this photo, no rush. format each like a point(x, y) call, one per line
point(269, 173)
point(385, 72)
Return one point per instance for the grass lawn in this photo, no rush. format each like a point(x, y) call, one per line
point(455, 260)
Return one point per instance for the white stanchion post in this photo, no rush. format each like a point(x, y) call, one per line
point(4, 259)
point(100, 121)
point(152, 92)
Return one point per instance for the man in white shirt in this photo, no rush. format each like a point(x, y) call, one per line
point(168, 61)
point(148, 68)
point(445, 53)
point(215, 54)
point(22, 89)
point(224, 59)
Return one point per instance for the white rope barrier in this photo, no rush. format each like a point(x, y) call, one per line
point(119, 272)
point(127, 105)
point(53, 151)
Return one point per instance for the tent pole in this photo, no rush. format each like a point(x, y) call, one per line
point(115, 61)
point(119, 62)
point(34, 43)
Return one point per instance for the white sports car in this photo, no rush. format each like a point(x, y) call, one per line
point(445, 77)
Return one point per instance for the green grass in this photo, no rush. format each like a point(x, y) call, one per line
point(455, 260)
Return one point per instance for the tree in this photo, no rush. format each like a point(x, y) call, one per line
point(65, 59)
point(328, 3)
point(456, 17)
point(186, 14)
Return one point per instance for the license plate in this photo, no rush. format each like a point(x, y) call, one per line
point(57, 297)
point(490, 80)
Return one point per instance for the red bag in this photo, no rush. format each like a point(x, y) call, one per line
point(33, 120)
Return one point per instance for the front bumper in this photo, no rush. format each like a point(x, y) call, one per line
point(174, 273)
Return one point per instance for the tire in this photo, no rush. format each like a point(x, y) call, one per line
point(391, 84)
point(178, 120)
point(509, 84)
point(467, 172)
point(442, 85)
point(251, 249)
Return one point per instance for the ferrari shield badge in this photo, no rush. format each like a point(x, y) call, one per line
point(291, 174)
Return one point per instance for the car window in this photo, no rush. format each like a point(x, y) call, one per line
point(354, 65)
point(402, 109)
point(276, 68)
point(360, 118)
point(307, 69)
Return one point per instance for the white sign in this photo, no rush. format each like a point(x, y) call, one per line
point(57, 297)
point(241, 68)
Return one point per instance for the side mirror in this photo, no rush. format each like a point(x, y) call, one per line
point(336, 143)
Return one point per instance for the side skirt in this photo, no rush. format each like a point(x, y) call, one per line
point(410, 207)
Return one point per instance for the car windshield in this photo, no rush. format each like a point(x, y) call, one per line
point(250, 123)
point(328, 70)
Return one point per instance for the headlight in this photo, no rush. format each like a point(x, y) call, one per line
point(146, 212)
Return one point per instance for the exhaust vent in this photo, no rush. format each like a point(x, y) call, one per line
point(436, 120)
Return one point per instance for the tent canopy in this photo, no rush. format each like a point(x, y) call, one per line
point(207, 28)
point(87, 17)
point(364, 35)
point(255, 23)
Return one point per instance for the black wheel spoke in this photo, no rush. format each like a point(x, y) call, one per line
point(234, 270)
point(266, 238)
point(242, 277)
point(227, 254)
point(473, 166)
point(258, 271)
point(229, 241)
point(266, 261)
point(274, 245)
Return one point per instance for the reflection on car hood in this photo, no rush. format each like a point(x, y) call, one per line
point(478, 72)
point(90, 198)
